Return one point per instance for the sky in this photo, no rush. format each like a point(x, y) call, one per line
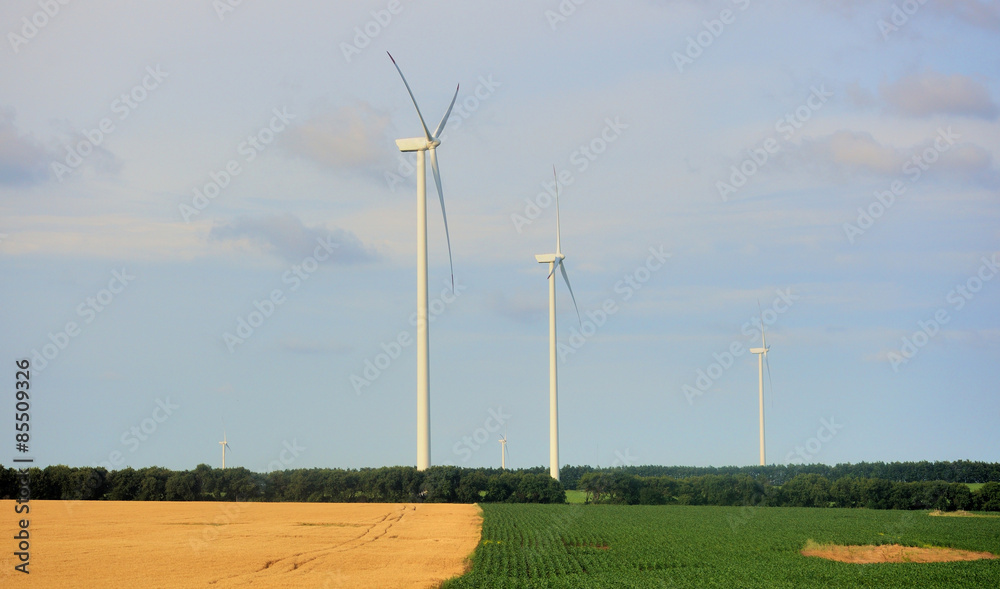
point(206, 229)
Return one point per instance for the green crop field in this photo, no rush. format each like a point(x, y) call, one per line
point(605, 546)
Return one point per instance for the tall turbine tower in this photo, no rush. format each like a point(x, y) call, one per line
point(555, 261)
point(225, 445)
point(420, 145)
point(761, 358)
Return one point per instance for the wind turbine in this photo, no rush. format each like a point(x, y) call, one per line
point(761, 359)
point(225, 445)
point(503, 450)
point(428, 142)
point(555, 261)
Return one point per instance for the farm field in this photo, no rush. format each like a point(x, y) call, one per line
point(203, 544)
point(605, 546)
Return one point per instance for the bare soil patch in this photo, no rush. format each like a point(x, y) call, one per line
point(90, 544)
point(958, 513)
point(890, 553)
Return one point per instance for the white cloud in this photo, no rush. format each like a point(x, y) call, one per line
point(985, 14)
point(851, 152)
point(344, 138)
point(103, 236)
point(845, 154)
point(22, 159)
point(284, 235)
point(932, 93)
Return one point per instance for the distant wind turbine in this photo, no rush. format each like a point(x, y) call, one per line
point(225, 445)
point(555, 261)
point(761, 359)
point(503, 450)
point(428, 142)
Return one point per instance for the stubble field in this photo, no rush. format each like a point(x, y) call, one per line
point(219, 545)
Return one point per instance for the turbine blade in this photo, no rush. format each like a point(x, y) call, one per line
point(556, 179)
point(763, 340)
point(770, 384)
point(763, 344)
point(426, 132)
point(437, 180)
point(554, 266)
point(566, 278)
point(444, 121)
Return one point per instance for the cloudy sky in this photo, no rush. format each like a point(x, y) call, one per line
point(206, 225)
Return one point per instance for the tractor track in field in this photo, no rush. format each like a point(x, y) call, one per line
point(372, 534)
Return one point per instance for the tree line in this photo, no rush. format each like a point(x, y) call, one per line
point(960, 471)
point(803, 490)
point(898, 485)
point(396, 484)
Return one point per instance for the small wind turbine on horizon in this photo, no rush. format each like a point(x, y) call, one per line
point(555, 261)
point(761, 360)
point(428, 142)
point(225, 445)
point(503, 450)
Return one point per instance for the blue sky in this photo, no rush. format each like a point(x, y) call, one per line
point(170, 171)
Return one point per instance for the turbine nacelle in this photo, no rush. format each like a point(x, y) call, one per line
point(549, 258)
point(759, 350)
point(416, 144)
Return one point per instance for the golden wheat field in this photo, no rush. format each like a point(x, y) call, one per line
point(202, 544)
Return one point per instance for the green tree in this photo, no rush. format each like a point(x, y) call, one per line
point(181, 486)
point(807, 490)
point(988, 496)
point(123, 485)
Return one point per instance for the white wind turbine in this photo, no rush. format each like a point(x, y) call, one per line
point(503, 450)
point(420, 145)
point(225, 445)
point(761, 359)
point(555, 261)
